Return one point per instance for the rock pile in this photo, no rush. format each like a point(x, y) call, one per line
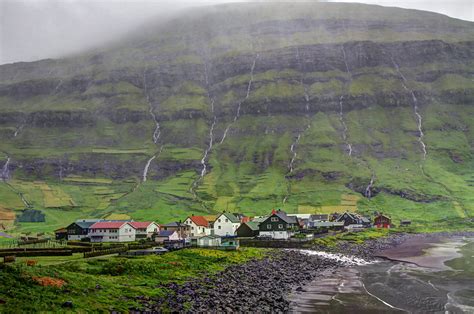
point(260, 285)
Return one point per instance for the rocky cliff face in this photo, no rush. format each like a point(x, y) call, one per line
point(250, 107)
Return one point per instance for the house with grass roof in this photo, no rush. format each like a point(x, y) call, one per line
point(226, 224)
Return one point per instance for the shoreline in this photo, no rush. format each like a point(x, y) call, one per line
point(266, 284)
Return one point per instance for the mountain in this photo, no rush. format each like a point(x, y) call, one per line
point(309, 107)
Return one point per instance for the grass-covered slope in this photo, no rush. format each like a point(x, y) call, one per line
point(310, 107)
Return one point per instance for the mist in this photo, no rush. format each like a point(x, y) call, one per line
point(37, 29)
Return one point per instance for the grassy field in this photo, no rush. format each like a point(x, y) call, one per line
point(108, 283)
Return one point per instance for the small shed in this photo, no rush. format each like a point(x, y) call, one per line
point(229, 244)
point(209, 241)
point(60, 234)
point(382, 221)
point(404, 223)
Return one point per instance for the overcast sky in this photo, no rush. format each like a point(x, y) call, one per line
point(38, 29)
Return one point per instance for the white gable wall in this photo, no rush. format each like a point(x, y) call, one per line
point(224, 227)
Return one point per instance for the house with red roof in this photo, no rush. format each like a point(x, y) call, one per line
point(144, 229)
point(112, 231)
point(200, 226)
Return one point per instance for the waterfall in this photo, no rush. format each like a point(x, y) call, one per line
point(211, 133)
point(156, 132)
point(294, 145)
point(239, 104)
point(418, 117)
point(344, 127)
point(341, 111)
point(368, 189)
point(5, 171)
point(58, 86)
point(18, 130)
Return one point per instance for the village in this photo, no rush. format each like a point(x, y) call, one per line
point(223, 230)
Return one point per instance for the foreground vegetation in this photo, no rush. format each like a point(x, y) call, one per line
point(107, 283)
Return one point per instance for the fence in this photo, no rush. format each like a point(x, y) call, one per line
point(38, 253)
point(105, 252)
point(38, 243)
point(294, 243)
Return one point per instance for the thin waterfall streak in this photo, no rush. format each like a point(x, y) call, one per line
point(294, 145)
point(368, 189)
point(5, 171)
point(156, 132)
point(344, 127)
point(18, 130)
point(58, 86)
point(345, 60)
point(239, 104)
point(418, 117)
point(341, 112)
point(147, 166)
point(211, 134)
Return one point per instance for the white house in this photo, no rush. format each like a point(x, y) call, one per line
point(145, 229)
point(199, 225)
point(112, 231)
point(226, 224)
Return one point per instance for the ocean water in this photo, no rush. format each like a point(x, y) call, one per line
point(439, 281)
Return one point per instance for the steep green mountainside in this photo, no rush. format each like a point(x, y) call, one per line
point(309, 107)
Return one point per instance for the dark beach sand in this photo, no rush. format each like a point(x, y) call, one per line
point(430, 252)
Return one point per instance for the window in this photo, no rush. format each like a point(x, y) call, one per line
point(269, 226)
point(280, 226)
point(219, 227)
point(219, 220)
point(227, 220)
point(274, 219)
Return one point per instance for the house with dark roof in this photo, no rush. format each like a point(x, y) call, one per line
point(226, 224)
point(352, 220)
point(319, 217)
point(144, 229)
point(60, 234)
point(200, 226)
point(248, 229)
point(183, 230)
point(279, 225)
point(79, 229)
point(112, 231)
point(166, 235)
